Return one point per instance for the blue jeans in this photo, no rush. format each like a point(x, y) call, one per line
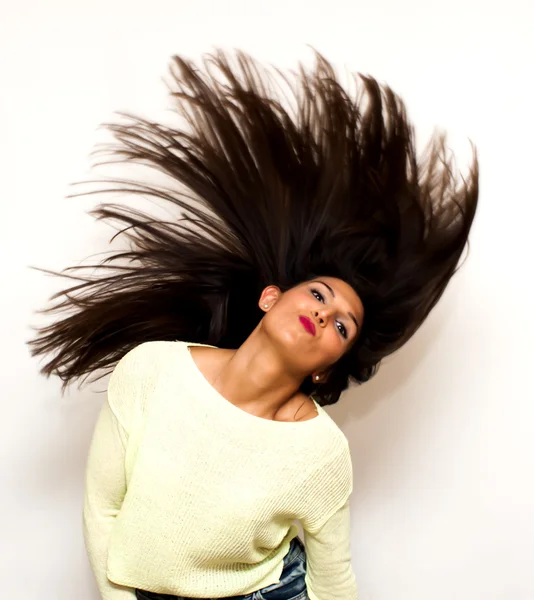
point(290, 587)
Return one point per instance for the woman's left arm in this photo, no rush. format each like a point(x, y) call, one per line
point(329, 573)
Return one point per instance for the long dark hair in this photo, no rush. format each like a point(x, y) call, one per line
point(328, 184)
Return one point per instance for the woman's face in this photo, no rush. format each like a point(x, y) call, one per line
point(313, 324)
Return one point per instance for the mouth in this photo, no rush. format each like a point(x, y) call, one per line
point(308, 325)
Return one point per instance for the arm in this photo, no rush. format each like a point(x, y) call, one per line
point(104, 493)
point(329, 574)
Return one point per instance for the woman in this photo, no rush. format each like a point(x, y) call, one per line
point(311, 245)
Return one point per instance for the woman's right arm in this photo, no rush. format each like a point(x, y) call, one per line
point(104, 494)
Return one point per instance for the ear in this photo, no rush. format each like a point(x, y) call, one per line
point(269, 297)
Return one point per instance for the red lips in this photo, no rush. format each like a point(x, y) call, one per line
point(307, 324)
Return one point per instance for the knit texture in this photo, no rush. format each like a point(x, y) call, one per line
point(188, 494)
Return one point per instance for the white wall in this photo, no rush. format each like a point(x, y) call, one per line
point(442, 438)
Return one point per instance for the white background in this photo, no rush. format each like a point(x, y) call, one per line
point(442, 438)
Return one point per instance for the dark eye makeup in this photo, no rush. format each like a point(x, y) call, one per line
point(318, 295)
point(339, 326)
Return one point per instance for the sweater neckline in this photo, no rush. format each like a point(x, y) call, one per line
point(215, 395)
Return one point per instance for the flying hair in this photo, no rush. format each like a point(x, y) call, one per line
point(269, 192)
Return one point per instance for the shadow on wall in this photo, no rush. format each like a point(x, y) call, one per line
point(377, 443)
point(395, 372)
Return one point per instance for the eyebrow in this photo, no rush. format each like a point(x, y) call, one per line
point(333, 296)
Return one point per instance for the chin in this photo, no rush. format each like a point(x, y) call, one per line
point(286, 338)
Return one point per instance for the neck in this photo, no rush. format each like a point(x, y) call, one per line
point(255, 379)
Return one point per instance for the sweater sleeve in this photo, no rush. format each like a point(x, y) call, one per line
point(110, 454)
point(104, 493)
point(329, 573)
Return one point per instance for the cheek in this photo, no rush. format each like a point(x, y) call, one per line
point(293, 305)
point(301, 296)
point(300, 302)
point(333, 345)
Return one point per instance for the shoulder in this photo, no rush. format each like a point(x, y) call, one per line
point(148, 360)
point(138, 358)
point(333, 446)
point(333, 435)
point(137, 374)
point(155, 350)
point(135, 371)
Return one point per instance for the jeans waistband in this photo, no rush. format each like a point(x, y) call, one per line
point(296, 548)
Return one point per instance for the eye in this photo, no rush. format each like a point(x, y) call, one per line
point(342, 329)
point(318, 295)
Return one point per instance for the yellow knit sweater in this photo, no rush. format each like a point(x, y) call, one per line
point(188, 494)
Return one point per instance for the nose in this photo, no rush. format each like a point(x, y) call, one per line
point(322, 316)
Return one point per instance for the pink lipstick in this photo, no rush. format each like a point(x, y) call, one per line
point(307, 324)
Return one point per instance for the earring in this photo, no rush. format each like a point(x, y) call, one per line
point(316, 378)
point(265, 306)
